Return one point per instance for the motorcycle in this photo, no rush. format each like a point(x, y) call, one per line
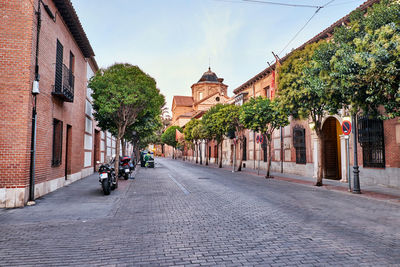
point(107, 178)
point(125, 168)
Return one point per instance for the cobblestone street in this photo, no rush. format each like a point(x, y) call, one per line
point(183, 214)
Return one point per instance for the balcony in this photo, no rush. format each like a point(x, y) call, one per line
point(64, 84)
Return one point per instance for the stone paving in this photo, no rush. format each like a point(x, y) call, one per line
point(181, 214)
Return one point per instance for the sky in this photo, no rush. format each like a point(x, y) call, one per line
point(175, 41)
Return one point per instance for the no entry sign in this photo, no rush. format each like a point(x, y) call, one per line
point(346, 127)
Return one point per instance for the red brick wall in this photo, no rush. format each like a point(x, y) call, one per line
point(50, 107)
point(16, 22)
point(18, 34)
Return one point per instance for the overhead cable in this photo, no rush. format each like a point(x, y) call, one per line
point(302, 28)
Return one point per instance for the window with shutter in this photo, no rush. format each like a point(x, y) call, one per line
point(57, 142)
point(59, 68)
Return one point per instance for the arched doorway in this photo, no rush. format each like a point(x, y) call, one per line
point(331, 131)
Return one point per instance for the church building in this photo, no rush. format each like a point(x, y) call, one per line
point(207, 92)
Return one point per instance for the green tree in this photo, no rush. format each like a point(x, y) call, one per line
point(144, 131)
point(120, 93)
point(306, 91)
point(213, 127)
point(365, 67)
point(169, 137)
point(264, 116)
point(199, 135)
point(189, 137)
point(230, 116)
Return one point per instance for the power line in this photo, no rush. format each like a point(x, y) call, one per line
point(345, 3)
point(269, 3)
point(281, 4)
point(302, 28)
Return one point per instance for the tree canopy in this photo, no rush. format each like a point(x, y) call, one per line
point(120, 94)
point(365, 66)
point(169, 136)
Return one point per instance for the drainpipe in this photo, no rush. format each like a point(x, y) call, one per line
point(35, 92)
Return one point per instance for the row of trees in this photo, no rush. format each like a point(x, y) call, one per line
point(259, 114)
point(357, 69)
point(128, 104)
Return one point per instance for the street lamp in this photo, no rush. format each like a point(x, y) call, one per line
point(356, 177)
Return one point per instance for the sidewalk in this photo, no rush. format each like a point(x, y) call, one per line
point(370, 191)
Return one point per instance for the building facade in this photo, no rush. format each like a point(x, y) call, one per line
point(295, 147)
point(46, 61)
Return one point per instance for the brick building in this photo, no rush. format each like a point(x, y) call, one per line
point(295, 146)
point(60, 62)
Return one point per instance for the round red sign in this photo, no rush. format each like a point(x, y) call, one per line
point(346, 127)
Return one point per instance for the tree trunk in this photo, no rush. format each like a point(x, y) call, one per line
point(196, 151)
point(123, 145)
point(220, 159)
point(269, 159)
point(137, 153)
point(201, 160)
point(320, 157)
point(116, 163)
point(207, 153)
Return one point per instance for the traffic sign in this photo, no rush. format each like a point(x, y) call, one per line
point(346, 127)
point(261, 138)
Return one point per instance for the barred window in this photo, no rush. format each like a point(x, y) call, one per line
point(370, 137)
point(57, 142)
point(299, 143)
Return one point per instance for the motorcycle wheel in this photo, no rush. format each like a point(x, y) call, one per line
point(114, 186)
point(126, 176)
point(106, 186)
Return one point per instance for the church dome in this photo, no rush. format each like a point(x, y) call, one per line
point(209, 76)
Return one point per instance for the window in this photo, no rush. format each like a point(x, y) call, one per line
point(299, 143)
point(57, 142)
point(88, 109)
point(200, 95)
point(71, 62)
point(370, 136)
point(59, 67)
point(265, 149)
point(244, 155)
point(267, 92)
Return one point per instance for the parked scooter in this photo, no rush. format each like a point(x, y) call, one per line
point(107, 178)
point(125, 167)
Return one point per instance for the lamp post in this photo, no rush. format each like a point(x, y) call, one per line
point(356, 177)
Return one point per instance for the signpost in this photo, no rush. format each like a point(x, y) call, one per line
point(346, 129)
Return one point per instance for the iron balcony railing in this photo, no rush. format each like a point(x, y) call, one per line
point(64, 84)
